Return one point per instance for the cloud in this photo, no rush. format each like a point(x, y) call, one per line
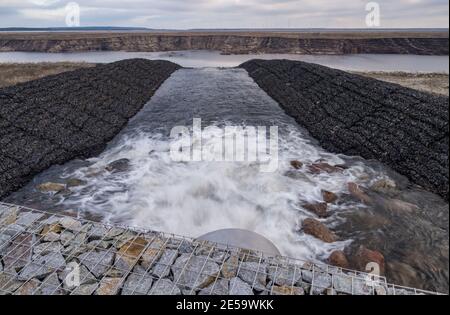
point(44, 3)
point(185, 14)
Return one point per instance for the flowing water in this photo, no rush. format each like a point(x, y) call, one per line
point(194, 198)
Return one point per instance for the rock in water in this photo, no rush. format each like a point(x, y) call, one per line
point(318, 230)
point(338, 259)
point(329, 197)
point(322, 167)
point(384, 185)
point(75, 182)
point(398, 206)
point(366, 259)
point(319, 209)
point(51, 187)
point(118, 166)
point(357, 192)
point(296, 164)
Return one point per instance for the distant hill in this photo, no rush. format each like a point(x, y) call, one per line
point(71, 29)
point(276, 30)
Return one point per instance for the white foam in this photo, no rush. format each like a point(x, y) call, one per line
point(194, 198)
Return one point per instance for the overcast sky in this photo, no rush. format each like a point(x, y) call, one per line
point(185, 14)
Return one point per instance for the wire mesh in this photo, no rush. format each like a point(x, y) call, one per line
point(54, 254)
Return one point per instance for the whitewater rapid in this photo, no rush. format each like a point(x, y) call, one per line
point(194, 198)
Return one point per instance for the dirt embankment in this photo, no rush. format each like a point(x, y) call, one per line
point(420, 43)
point(436, 83)
point(14, 73)
point(351, 114)
point(58, 118)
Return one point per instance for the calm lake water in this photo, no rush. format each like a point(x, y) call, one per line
point(201, 59)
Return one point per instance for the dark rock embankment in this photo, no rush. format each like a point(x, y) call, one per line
point(403, 128)
point(58, 118)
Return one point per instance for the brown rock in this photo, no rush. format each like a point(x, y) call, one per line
point(322, 167)
point(329, 197)
point(153, 253)
point(131, 251)
point(320, 209)
point(384, 185)
point(9, 283)
point(364, 257)
point(118, 166)
point(230, 267)
point(296, 164)
point(357, 192)
point(9, 217)
point(51, 187)
point(396, 205)
point(287, 290)
point(75, 182)
point(19, 253)
point(318, 230)
point(338, 259)
point(29, 288)
point(51, 228)
point(109, 286)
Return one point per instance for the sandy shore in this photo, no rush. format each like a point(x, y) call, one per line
point(11, 74)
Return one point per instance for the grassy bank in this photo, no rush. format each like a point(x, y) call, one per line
point(427, 82)
point(14, 73)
